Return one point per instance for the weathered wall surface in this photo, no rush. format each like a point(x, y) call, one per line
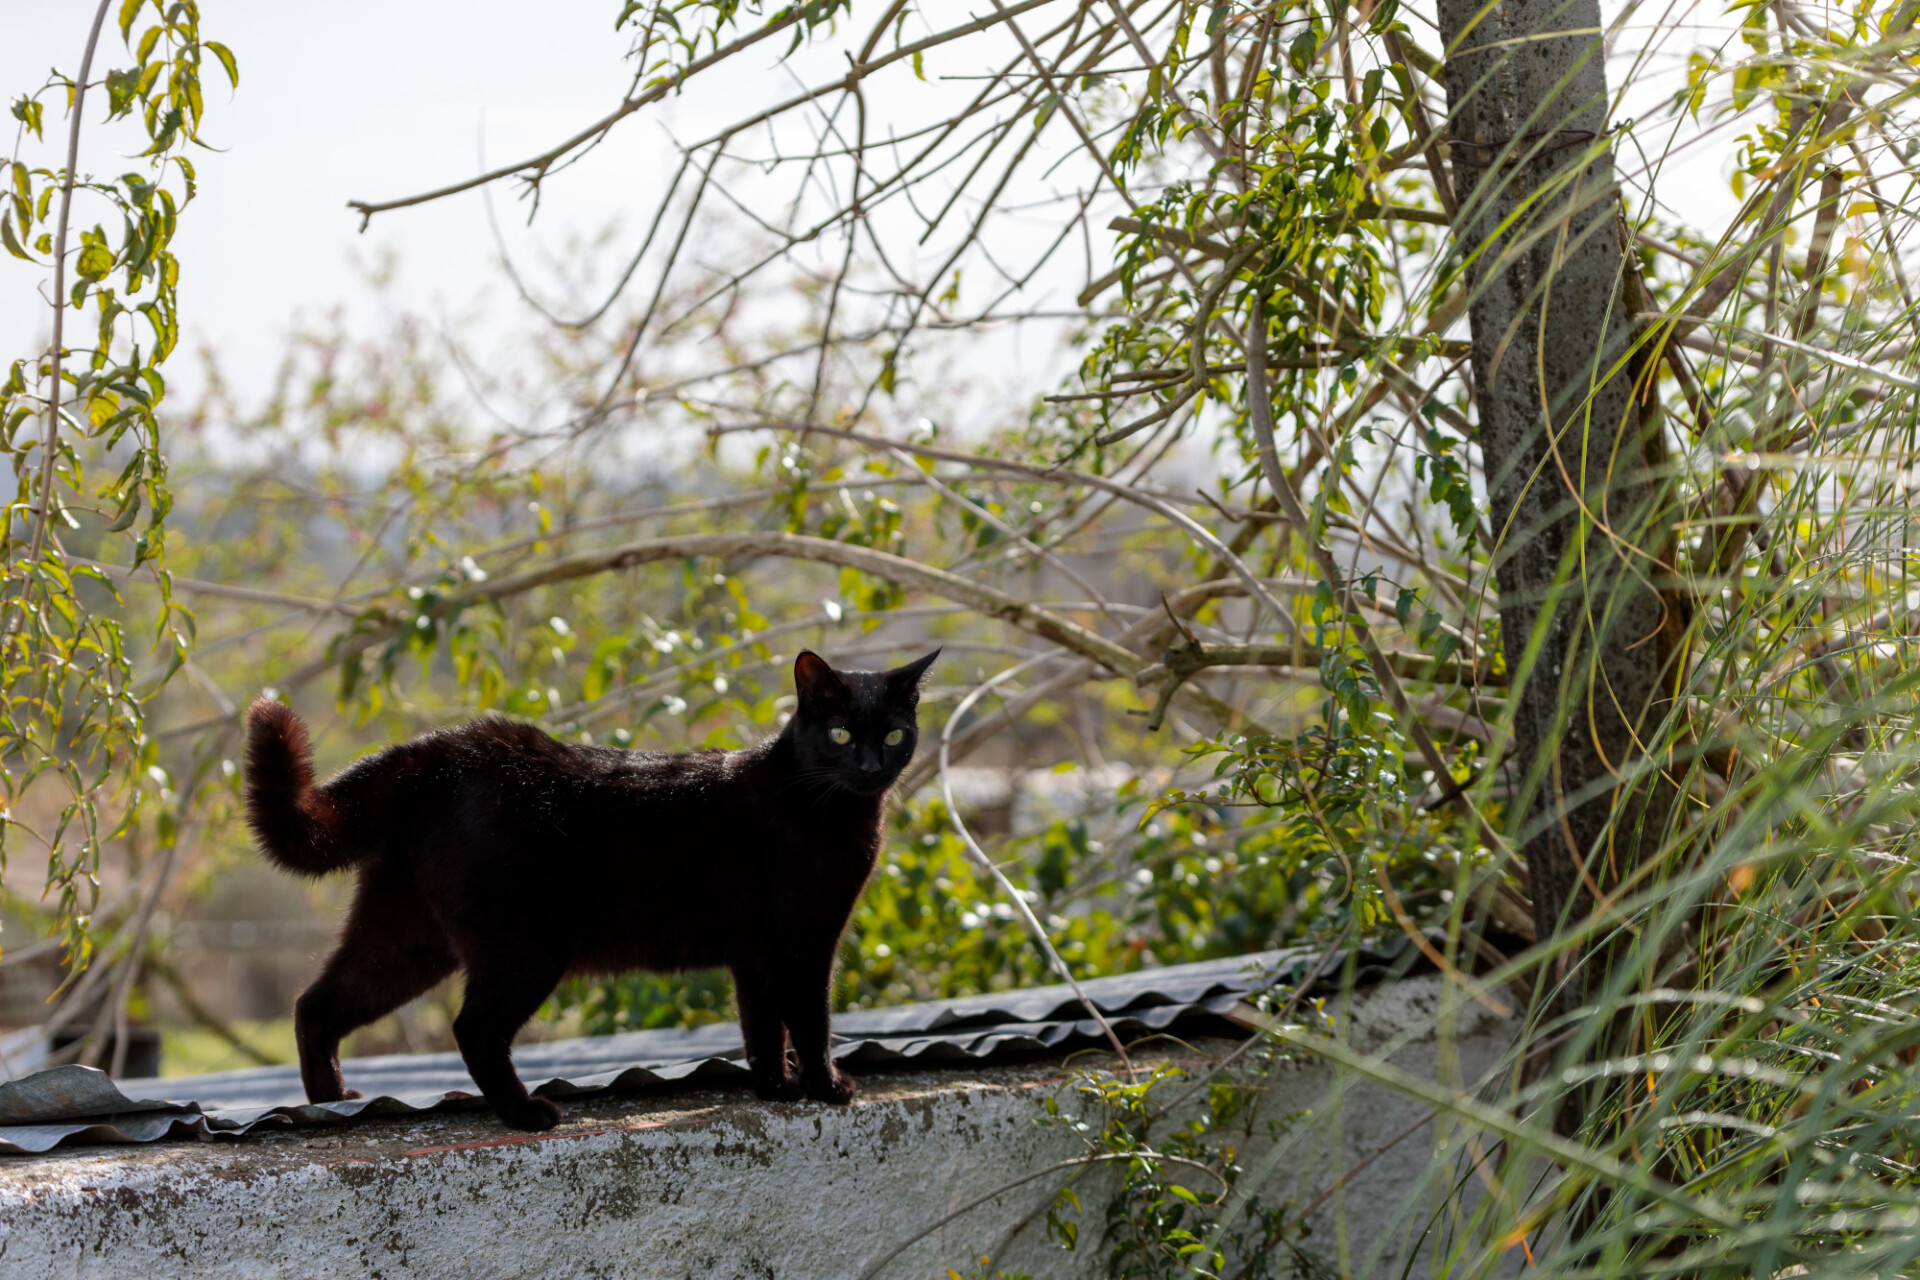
point(1372, 1218)
point(715, 1186)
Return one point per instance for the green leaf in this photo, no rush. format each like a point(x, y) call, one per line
point(95, 262)
point(127, 515)
point(225, 55)
point(12, 242)
point(122, 88)
point(27, 111)
point(595, 683)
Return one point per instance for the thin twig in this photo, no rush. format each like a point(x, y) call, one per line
point(49, 447)
point(999, 877)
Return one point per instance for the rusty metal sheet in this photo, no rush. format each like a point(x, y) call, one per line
point(76, 1105)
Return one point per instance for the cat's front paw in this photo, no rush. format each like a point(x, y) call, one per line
point(535, 1115)
point(784, 1089)
point(837, 1088)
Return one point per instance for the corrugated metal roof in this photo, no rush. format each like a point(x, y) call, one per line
point(74, 1104)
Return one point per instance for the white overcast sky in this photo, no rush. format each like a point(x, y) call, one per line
point(355, 99)
point(365, 99)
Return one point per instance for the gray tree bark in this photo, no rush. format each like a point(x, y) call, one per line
point(1571, 506)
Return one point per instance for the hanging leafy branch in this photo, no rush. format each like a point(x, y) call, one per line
point(83, 434)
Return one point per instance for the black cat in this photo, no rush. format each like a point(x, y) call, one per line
point(519, 859)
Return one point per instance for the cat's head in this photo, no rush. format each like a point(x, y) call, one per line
point(856, 730)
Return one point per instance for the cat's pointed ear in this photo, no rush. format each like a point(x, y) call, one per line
point(817, 683)
point(904, 682)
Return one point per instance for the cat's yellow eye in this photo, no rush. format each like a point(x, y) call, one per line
point(893, 739)
point(840, 736)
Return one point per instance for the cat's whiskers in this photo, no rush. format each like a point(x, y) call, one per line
point(806, 777)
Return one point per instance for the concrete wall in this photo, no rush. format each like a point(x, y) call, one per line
point(715, 1185)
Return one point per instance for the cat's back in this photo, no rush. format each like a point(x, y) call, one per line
point(479, 788)
point(493, 751)
point(514, 755)
point(661, 775)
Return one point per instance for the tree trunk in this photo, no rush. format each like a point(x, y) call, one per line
point(1572, 509)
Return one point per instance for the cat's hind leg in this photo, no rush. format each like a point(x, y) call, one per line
point(764, 1037)
point(805, 990)
point(390, 951)
point(501, 996)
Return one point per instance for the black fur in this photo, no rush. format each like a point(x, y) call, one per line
point(495, 849)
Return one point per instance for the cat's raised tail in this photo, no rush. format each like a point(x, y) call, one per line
point(297, 828)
